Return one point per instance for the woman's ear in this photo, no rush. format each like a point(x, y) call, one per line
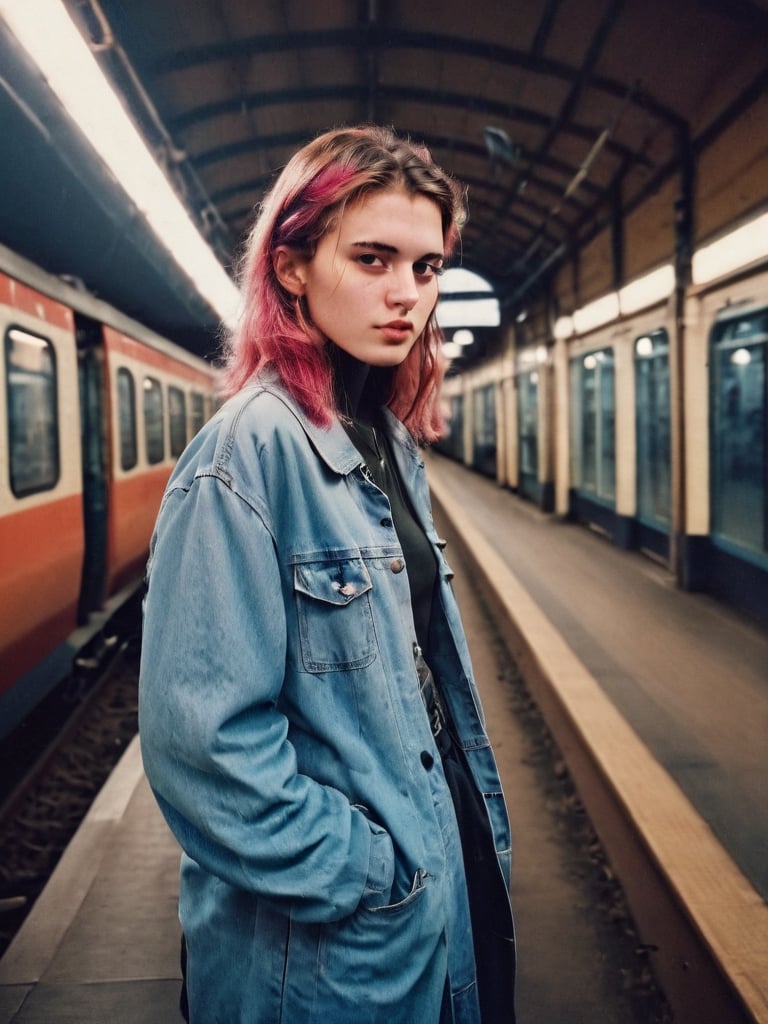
point(290, 269)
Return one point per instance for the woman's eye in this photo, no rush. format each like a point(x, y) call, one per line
point(425, 269)
point(370, 259)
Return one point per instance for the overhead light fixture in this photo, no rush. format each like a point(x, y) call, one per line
point(647, 290)
point(741, 357)
point(732, 251)
point(45, 30)
point(596, 313)
point(563, 327)
point(499, 145)
point(463, 337)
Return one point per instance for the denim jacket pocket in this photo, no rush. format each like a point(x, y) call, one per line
point(334, 614)
point(381, 869)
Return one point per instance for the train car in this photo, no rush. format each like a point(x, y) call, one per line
point(649, 427)
point(96, 410)
point(666, 435)
point(725, 440)
point(619, 430)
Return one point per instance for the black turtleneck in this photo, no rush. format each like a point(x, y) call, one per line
point(361, 392)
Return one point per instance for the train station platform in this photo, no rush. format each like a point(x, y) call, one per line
point(690, 676)
point(659, 700)
point(666, 689)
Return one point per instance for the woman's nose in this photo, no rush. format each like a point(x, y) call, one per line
point(403, 291)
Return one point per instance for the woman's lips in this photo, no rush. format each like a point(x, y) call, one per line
point(397, 330)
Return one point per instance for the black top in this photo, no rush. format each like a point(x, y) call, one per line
point(359, 396)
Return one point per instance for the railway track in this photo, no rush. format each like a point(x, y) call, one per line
point(54, 765)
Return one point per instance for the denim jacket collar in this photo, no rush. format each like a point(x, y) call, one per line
point(332, 443)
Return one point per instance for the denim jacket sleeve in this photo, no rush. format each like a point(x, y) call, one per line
point(215, 746)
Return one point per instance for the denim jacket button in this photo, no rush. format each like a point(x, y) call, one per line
point(426, 759)
point(386, 521)
point(397, 565)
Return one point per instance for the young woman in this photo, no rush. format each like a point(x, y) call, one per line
point(310, 724)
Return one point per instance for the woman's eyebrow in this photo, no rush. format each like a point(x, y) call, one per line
point(384, 247)
point(376, 246)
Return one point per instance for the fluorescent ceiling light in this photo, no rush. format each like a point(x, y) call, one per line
point(563, 327)
point(596, 313)
point(451, 350)
point(45, 30)
point(734, 250)
point(647, 290)
point(463, 337)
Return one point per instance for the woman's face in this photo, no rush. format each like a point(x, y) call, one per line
point(372, 283)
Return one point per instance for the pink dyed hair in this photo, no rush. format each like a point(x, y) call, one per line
point(335, 169)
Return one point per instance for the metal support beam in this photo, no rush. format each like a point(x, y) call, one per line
point(684, 231)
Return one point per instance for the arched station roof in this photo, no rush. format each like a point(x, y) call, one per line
point(555, 113)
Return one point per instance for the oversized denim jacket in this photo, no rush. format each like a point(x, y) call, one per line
point(284, 735)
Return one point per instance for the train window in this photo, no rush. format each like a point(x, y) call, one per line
point(153, 420)
point(653, 428)
point(739, 471)
point(177, 411)
point(196, 411)
point(126, 417)
point(32, 409)
point(593, 406)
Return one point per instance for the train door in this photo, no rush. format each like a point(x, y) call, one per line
point(593, 433)
point(94, 448)
point(528, 433)
point(452, 442)
point(739, 470)
point(484, 448)
point(653, 466)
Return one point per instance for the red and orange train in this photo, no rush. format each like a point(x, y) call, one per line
point(94, 411)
